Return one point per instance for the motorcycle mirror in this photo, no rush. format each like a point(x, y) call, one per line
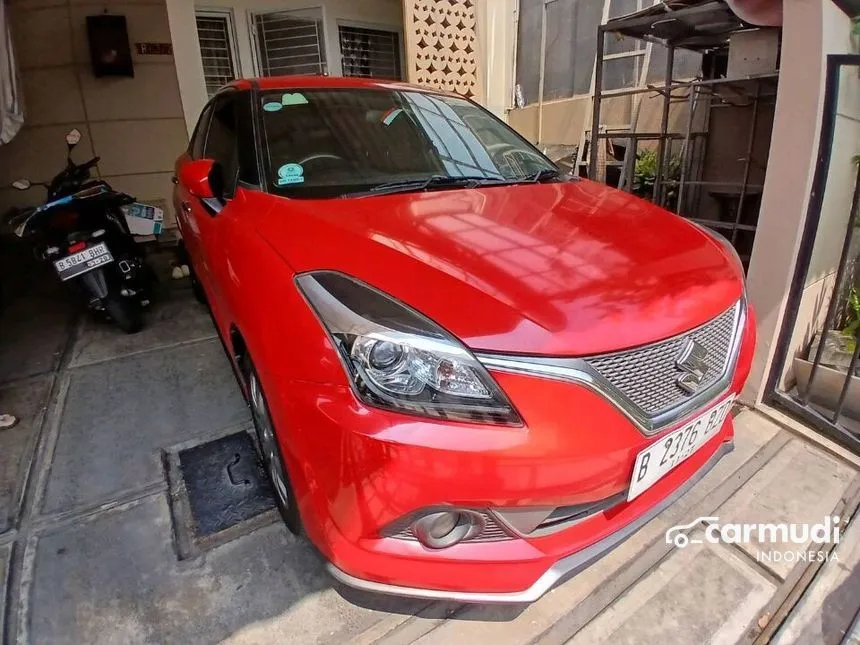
point(21, 184)
point(73, 137)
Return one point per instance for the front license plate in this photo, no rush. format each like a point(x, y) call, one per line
point(661, 457)
point(83, 261)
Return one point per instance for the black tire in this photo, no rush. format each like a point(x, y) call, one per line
point(125, 313)
point(197, 288)
point(269, 451)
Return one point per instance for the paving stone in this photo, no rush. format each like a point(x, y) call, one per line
point(752, 432)
point(5, 553)
point(701, 594)
point(34, 332)
point(825, 611)
point(174, 318)
point(511, 624)
point(801, 484)
point(116, 579)
point(119, 414)
point(853, 637)
point(519, 625)
point(27, 401)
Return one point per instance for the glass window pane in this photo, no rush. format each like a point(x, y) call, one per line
point(213, 34)
point(571, 45)
point(616, 43)
point(528, 49)
point(620, 73)
point(198, 139)
point(371, 53)
point(339, 141)
point(687, 64)
point(623, 7)
point(559, 73)
point(222, 143)
point(289, 44)
point(245, 135)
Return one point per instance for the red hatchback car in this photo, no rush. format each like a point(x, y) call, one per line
point(470, 375)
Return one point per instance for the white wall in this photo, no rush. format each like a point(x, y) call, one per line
point(186, 49)
point(135, 124)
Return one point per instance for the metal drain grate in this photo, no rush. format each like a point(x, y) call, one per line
point(225, 483)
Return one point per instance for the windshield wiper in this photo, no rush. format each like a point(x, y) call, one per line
point(434, 181)
point(542, 175)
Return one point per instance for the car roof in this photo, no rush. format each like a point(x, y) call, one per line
point(334, 82)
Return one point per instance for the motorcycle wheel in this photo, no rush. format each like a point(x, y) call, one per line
point(124, 313)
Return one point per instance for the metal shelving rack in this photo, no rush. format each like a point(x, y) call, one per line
point(703, 26)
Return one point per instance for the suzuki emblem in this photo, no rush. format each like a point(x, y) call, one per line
point(692, 363)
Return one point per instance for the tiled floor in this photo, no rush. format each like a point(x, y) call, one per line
point(88, 555)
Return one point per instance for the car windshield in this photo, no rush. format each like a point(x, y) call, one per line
point(344, 142)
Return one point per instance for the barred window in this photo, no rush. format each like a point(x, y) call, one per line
point(372, 53)
point(288, 43)
point(215, 34)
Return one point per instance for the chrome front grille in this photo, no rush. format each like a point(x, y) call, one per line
point(647, 376)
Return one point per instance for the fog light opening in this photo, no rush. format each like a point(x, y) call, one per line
point(444, 529)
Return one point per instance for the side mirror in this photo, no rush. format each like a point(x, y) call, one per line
point(73, 138)
point(21, 184)
point(202, 178)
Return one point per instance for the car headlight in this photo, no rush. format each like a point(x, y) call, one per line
point(397, 358)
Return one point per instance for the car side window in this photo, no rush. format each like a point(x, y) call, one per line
point(199, 136)
point(222, 141)
point(248, 171)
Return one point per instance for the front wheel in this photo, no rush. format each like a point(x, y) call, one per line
point(125, 313)
point(196, 287)
point(270, 452)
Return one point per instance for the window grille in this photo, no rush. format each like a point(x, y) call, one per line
point(371, 53)
point(289, 44)
point(215, 36)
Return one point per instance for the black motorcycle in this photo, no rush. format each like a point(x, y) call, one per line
point(82, 231)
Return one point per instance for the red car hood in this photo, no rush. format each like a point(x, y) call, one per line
point(556, 269)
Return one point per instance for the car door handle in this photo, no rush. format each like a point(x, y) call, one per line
point(186, 207)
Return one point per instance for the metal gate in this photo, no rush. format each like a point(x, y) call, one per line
point(816, 365)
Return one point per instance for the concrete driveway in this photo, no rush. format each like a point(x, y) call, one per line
point(89, 541)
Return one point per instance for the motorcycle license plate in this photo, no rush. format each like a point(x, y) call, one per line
point(77, 263)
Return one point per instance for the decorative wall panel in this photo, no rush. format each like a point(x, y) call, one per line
point(442, 45)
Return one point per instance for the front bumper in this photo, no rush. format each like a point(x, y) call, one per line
point(356, 470)
point(557, 573)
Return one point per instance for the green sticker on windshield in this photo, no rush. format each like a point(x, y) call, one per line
point(294, 98)
point(272, 106)
point(290, 173)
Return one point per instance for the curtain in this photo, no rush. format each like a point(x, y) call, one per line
point(11, 110)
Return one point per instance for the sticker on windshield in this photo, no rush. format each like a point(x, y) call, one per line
point(294, 98)
point(290, 173)
point(389, 116)
point(272, 106)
